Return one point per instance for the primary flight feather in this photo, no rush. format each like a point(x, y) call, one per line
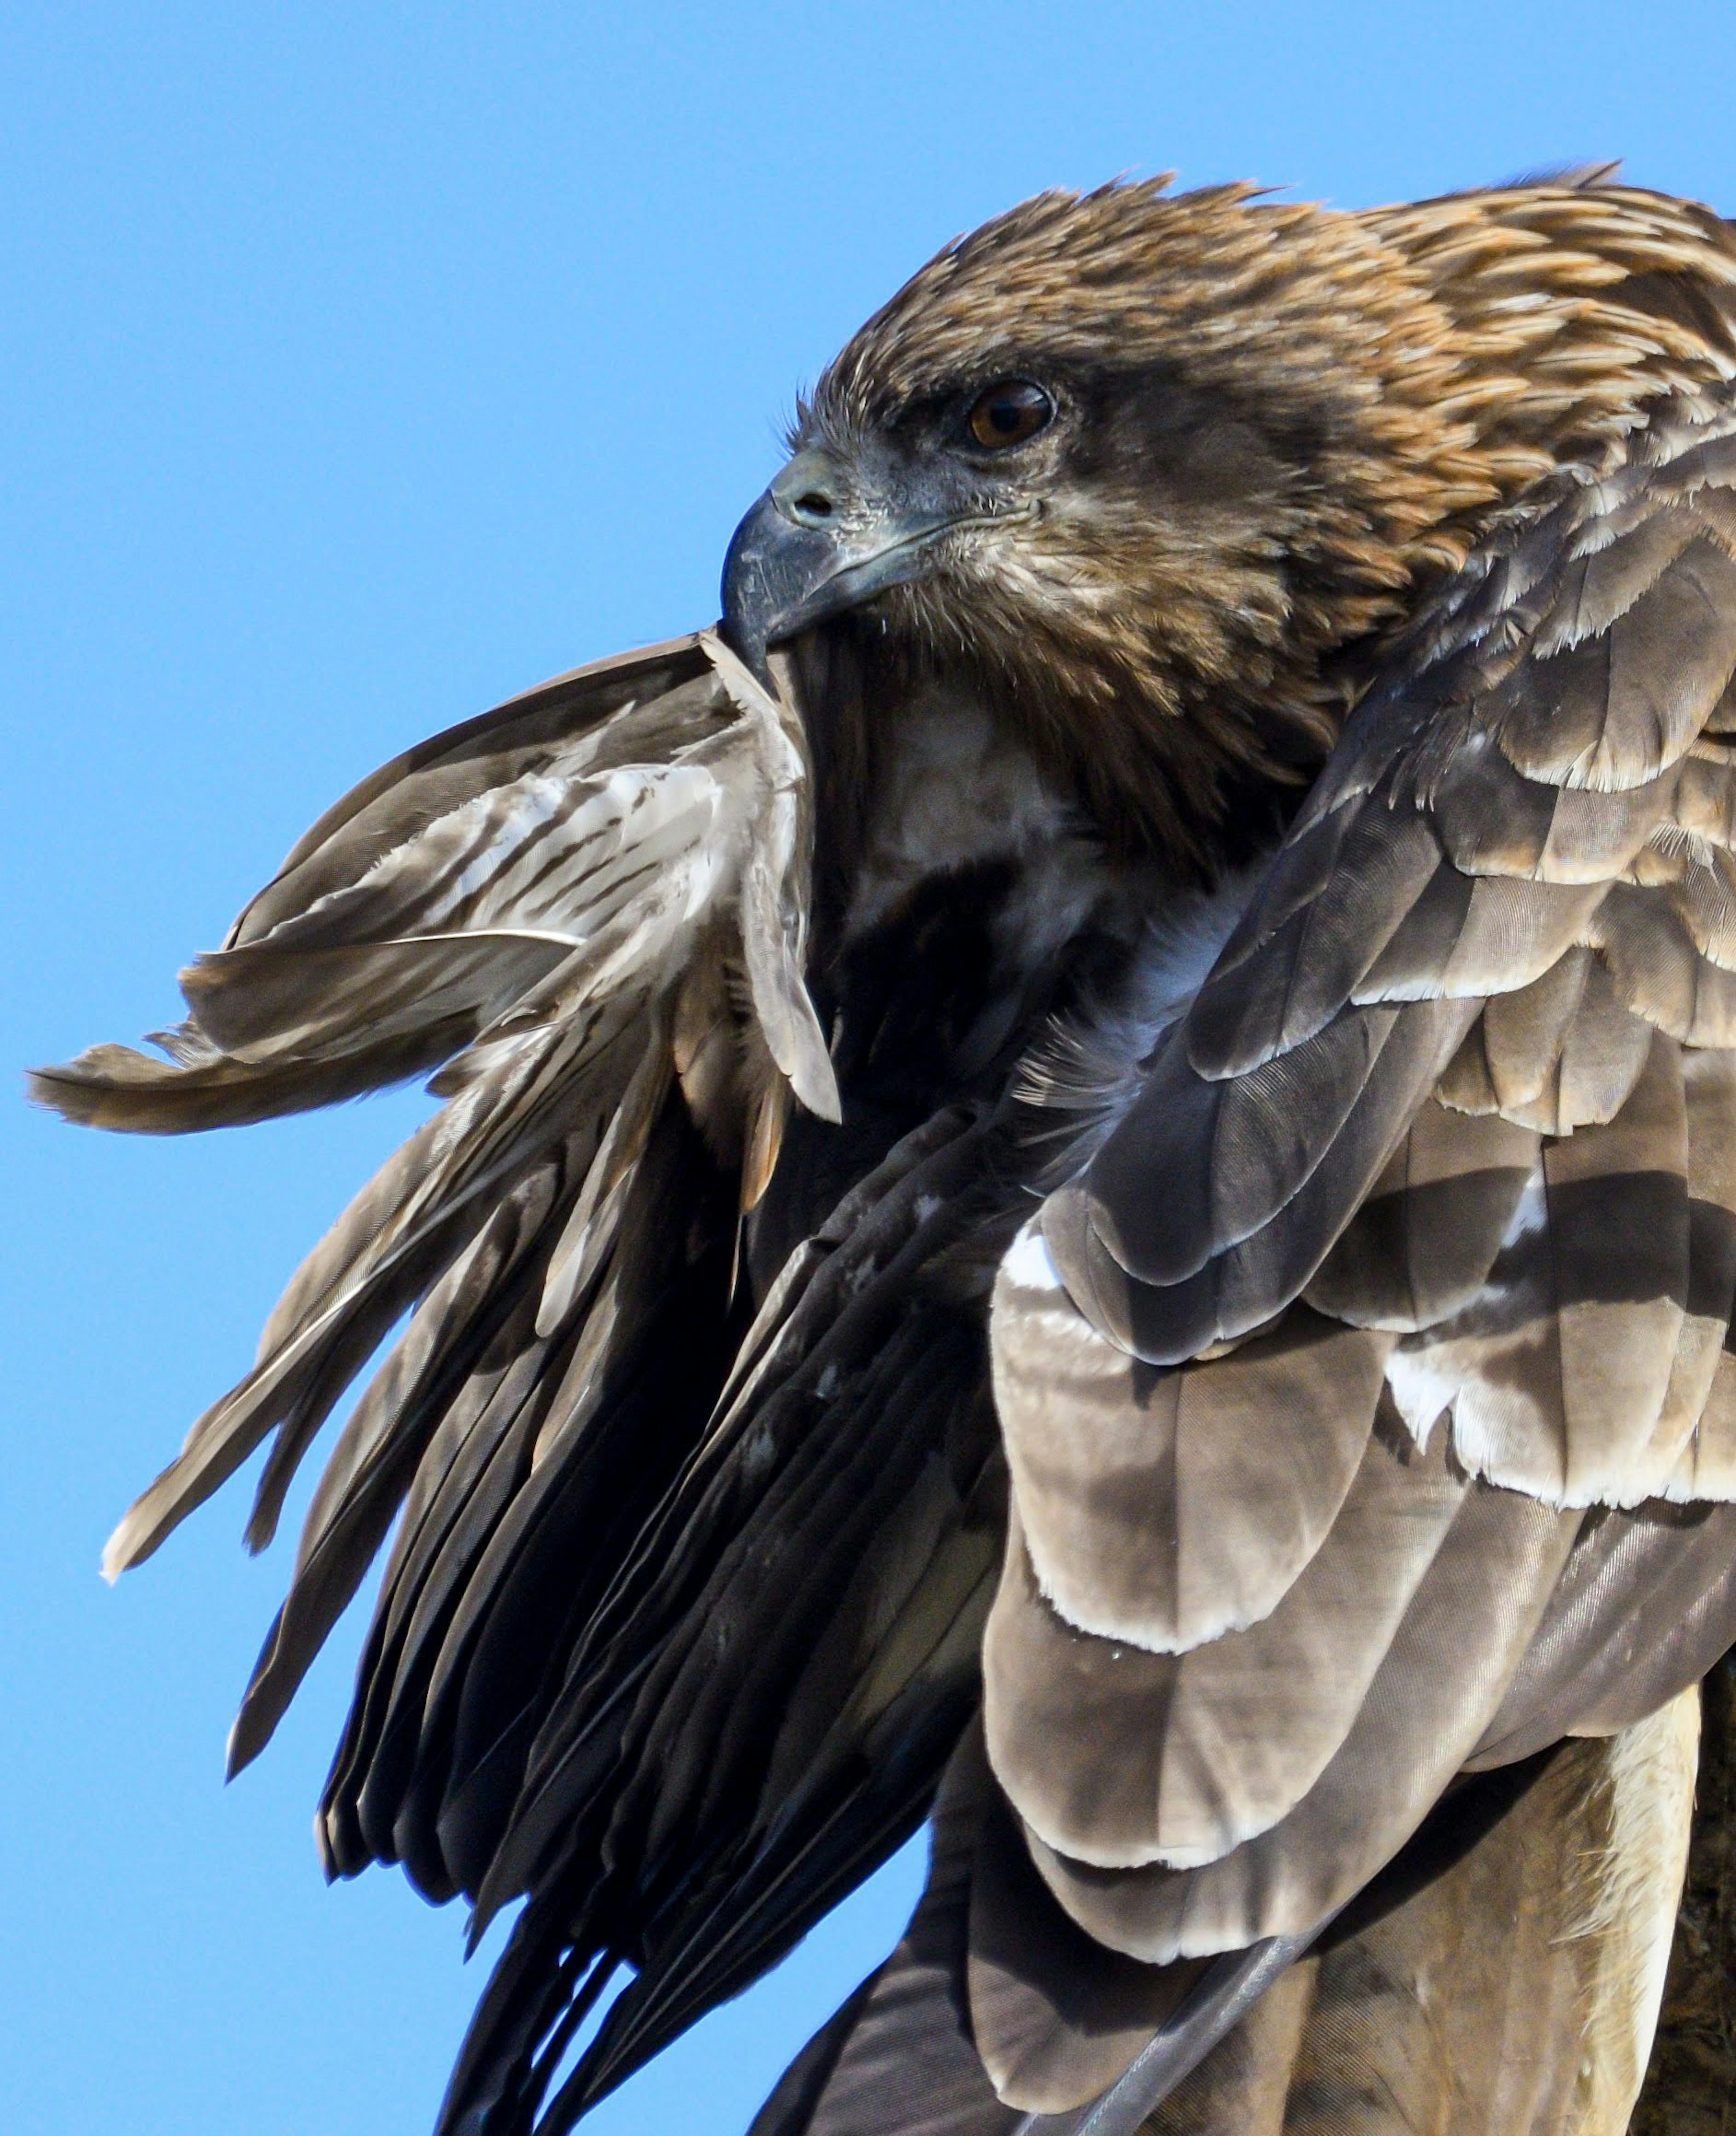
point(1088, 1182)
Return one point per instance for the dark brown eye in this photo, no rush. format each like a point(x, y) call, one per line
point(1010, 413)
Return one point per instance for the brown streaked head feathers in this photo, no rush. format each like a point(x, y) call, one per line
point(1275, 423)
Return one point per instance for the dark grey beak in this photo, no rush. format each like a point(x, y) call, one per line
point(782, 557)
point(814, 546)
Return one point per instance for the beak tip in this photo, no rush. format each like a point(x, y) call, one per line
point(748, 607)
point(784, 570)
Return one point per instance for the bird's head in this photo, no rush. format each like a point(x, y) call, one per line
point(1150, 467)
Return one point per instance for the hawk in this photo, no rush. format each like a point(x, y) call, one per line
point(1086, 1186)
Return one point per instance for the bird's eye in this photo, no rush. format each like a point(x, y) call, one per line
point(1009, 412)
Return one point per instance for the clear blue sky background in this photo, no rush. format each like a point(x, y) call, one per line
point(359, 366)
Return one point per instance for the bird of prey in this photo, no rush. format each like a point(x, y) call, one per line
point(1086, 1187)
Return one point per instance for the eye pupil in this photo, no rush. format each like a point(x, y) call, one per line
point(1009, 412)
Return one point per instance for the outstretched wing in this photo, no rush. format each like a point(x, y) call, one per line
point(568, 906)
point(1364, 1397)
point(681, 1616)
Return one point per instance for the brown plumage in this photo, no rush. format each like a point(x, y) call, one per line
point(1302, 420)
point(1089, 1176)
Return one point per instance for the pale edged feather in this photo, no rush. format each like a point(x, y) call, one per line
point(1056, 2015)
point(1118, 1757)
point(1333, 905)
point(1708, 1089)
point(1245, 1146)
point(1494, 821)
point(1706, 797)
point(1303, 1140)
point(1422, 1243)
point(1611, 710)
point(1151, 1517)
point(1706, 1467)
point(1645, 1605)
point(1492, 934)
point(1658, 972)
point(1578, 1075)
point(1562, 1053)
point(1516, 1987)
point(1619, 1226)
point(1456, 1649)
point(557, 848)
point(1555, 1374)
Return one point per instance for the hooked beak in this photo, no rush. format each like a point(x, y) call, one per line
point(813, 546)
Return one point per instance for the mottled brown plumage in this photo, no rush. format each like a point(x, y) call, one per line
point(1089, 1170)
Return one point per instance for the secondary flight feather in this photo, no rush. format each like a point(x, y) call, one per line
point(1087, 1185)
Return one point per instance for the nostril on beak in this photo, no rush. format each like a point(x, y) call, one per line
point(809, 491)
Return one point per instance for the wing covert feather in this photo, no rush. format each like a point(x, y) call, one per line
point(1151, 1515)
point(1118, 1757)
point(1470, 2005)
point(1501, 803)
point(1444, 1673)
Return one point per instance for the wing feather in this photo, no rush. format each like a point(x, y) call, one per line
point(1515, 1987)
point(1150, 1515)
point(1119, 1757)
point(761, 1705)
point(1365, 904)
point(1511, 889)
point(1442, 1676)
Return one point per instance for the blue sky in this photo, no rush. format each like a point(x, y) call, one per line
point(359, 365)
